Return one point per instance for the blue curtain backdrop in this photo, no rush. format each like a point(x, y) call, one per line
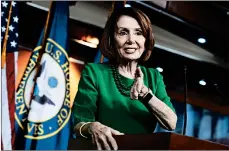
point(201, 123)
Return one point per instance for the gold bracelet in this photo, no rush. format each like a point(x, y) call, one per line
point(81, 129)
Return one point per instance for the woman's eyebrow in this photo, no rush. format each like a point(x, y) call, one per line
point(122, 28)
point(138, 29)
point(128, 28)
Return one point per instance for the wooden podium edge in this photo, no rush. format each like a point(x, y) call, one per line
point(159, 141)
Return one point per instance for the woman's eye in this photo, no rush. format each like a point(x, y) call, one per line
point(122, 33)
point(139, 33)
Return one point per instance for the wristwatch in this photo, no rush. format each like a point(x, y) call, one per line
point(147, 98)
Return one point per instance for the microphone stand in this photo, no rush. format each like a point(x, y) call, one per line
point(185, 100)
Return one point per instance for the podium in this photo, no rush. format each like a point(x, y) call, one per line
point(157, 141)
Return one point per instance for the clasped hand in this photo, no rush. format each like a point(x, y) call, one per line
point(138, 89)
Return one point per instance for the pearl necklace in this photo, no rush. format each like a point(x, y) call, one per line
point(123, 89)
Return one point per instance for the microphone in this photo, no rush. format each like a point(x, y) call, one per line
point(219, 92)
point(185, 100)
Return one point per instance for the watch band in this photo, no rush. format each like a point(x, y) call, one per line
point(147, 98)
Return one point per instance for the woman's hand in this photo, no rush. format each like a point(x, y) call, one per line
point(102, 136)
point(138, 89)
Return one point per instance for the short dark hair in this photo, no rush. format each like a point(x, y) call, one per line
point(107, 46)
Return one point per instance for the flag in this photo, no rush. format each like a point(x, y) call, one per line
point(43, 115)
point(9, 47)
point(115, 6)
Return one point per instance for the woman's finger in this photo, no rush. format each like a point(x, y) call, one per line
point(140, 73)
point(139, 85)
point(141, 94)
point(112, 142)
point(93, 139)
point(98, 145)
point(103, 140)
point(138, 81)
point(135, 93)
point(115, 132)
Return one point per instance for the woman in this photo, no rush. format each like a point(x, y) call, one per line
point(121, 97)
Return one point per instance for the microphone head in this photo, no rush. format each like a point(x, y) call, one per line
point(185, 68)
point(214, 83)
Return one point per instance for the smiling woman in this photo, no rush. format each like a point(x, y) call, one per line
point(129, 39)
point(134, 22)
point(122, 97)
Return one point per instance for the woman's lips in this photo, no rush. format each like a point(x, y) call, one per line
point(130, 50)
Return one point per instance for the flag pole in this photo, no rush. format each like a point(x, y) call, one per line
point(44, 40)
point(3, 57)
point(46, 32)
point(111, 11)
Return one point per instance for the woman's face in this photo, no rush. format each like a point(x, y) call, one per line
point(129, 39)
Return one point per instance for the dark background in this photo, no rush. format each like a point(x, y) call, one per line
point(205, 19)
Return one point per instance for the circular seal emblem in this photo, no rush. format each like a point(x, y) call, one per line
point(43, 106)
